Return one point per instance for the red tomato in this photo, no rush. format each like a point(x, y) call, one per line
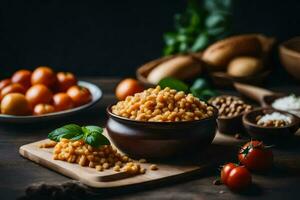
point(15, 104)
point(62, 101)
point(12, 88)
point(225, 171)
point(37, 94)
point(65, 80)
point(4, 83)
point(43, 75)
point(23, 77)
point(80, 95)
point(41, 109)
point(239, 178)
point(255, 156)
point(127, 87)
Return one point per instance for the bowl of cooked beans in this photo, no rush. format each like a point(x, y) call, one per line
point(231, 110)
point(160, 123)
point(270, 125)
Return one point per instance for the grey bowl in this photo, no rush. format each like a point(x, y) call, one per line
point(96, 96)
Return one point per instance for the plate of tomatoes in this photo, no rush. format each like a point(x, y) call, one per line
point(42, 94)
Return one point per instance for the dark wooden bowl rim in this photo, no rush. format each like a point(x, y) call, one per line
point(294, 118)
point(285, 46)
point(277, 96)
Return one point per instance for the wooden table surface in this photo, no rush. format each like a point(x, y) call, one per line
point(16, 173)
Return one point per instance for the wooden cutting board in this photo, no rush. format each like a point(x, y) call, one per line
point(109, 178)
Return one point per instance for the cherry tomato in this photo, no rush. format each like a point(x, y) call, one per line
point(43, 75)
point(225, 171)
point(80, 95)
point(4, 83)
point(239, 178)
point(255, 156)
point(15, 104)
point(62, 101)
point(65, 80)
point(235, 177)
point(41, 109)
point(12, 88)
point(128, 87)
point(37, 94)
point(23, 77)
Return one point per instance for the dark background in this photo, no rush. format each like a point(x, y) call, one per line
point(112, 38)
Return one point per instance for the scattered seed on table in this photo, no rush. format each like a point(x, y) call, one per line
point(153, 167)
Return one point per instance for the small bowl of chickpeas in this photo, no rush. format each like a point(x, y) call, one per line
point(271, 126)
point(160, 123)
point(231, 110)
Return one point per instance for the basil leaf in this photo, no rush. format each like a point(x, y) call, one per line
point(198, 26)
point(73, 127)
point(205, 95)
point(90, 134)
point(173, 84)
point(92, 129)
point(96, 139)
point(93, 136)
point(170, 38)
point(69, 131)
point(201, 42)
point(78, 137)
point(199, 85)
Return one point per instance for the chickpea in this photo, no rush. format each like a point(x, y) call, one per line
point(153, 167)
point(229, 106)
point(156, 104)
point(101, 158)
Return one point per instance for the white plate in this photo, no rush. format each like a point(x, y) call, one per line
point(96, 96)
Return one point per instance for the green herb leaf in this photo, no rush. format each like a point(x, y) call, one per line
point(202, 89)
point(205, 95)
point(93, 136)
point(90, 134)
point(201, 42)
point(199, 85)
point(215, 20)
point(199, 26)
point(96, 139)
point(173, 84)
point(69, 131)
point(92, 128)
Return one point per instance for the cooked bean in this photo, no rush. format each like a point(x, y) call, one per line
point(156, 104)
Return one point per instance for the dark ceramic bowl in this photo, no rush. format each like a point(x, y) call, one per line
point(270, 135)
point(230, 125)
point(160, 139)
point(289, 53)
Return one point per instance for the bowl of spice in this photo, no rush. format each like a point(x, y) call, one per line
point(231, 110)
point(270, 125)
point(160, 123)
point(289, 103)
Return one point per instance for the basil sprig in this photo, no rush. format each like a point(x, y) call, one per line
point(198, 26)
point(173, 84)
point(91, 135)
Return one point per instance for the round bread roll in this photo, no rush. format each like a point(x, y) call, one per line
point(244, 66)
point(180, 67)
